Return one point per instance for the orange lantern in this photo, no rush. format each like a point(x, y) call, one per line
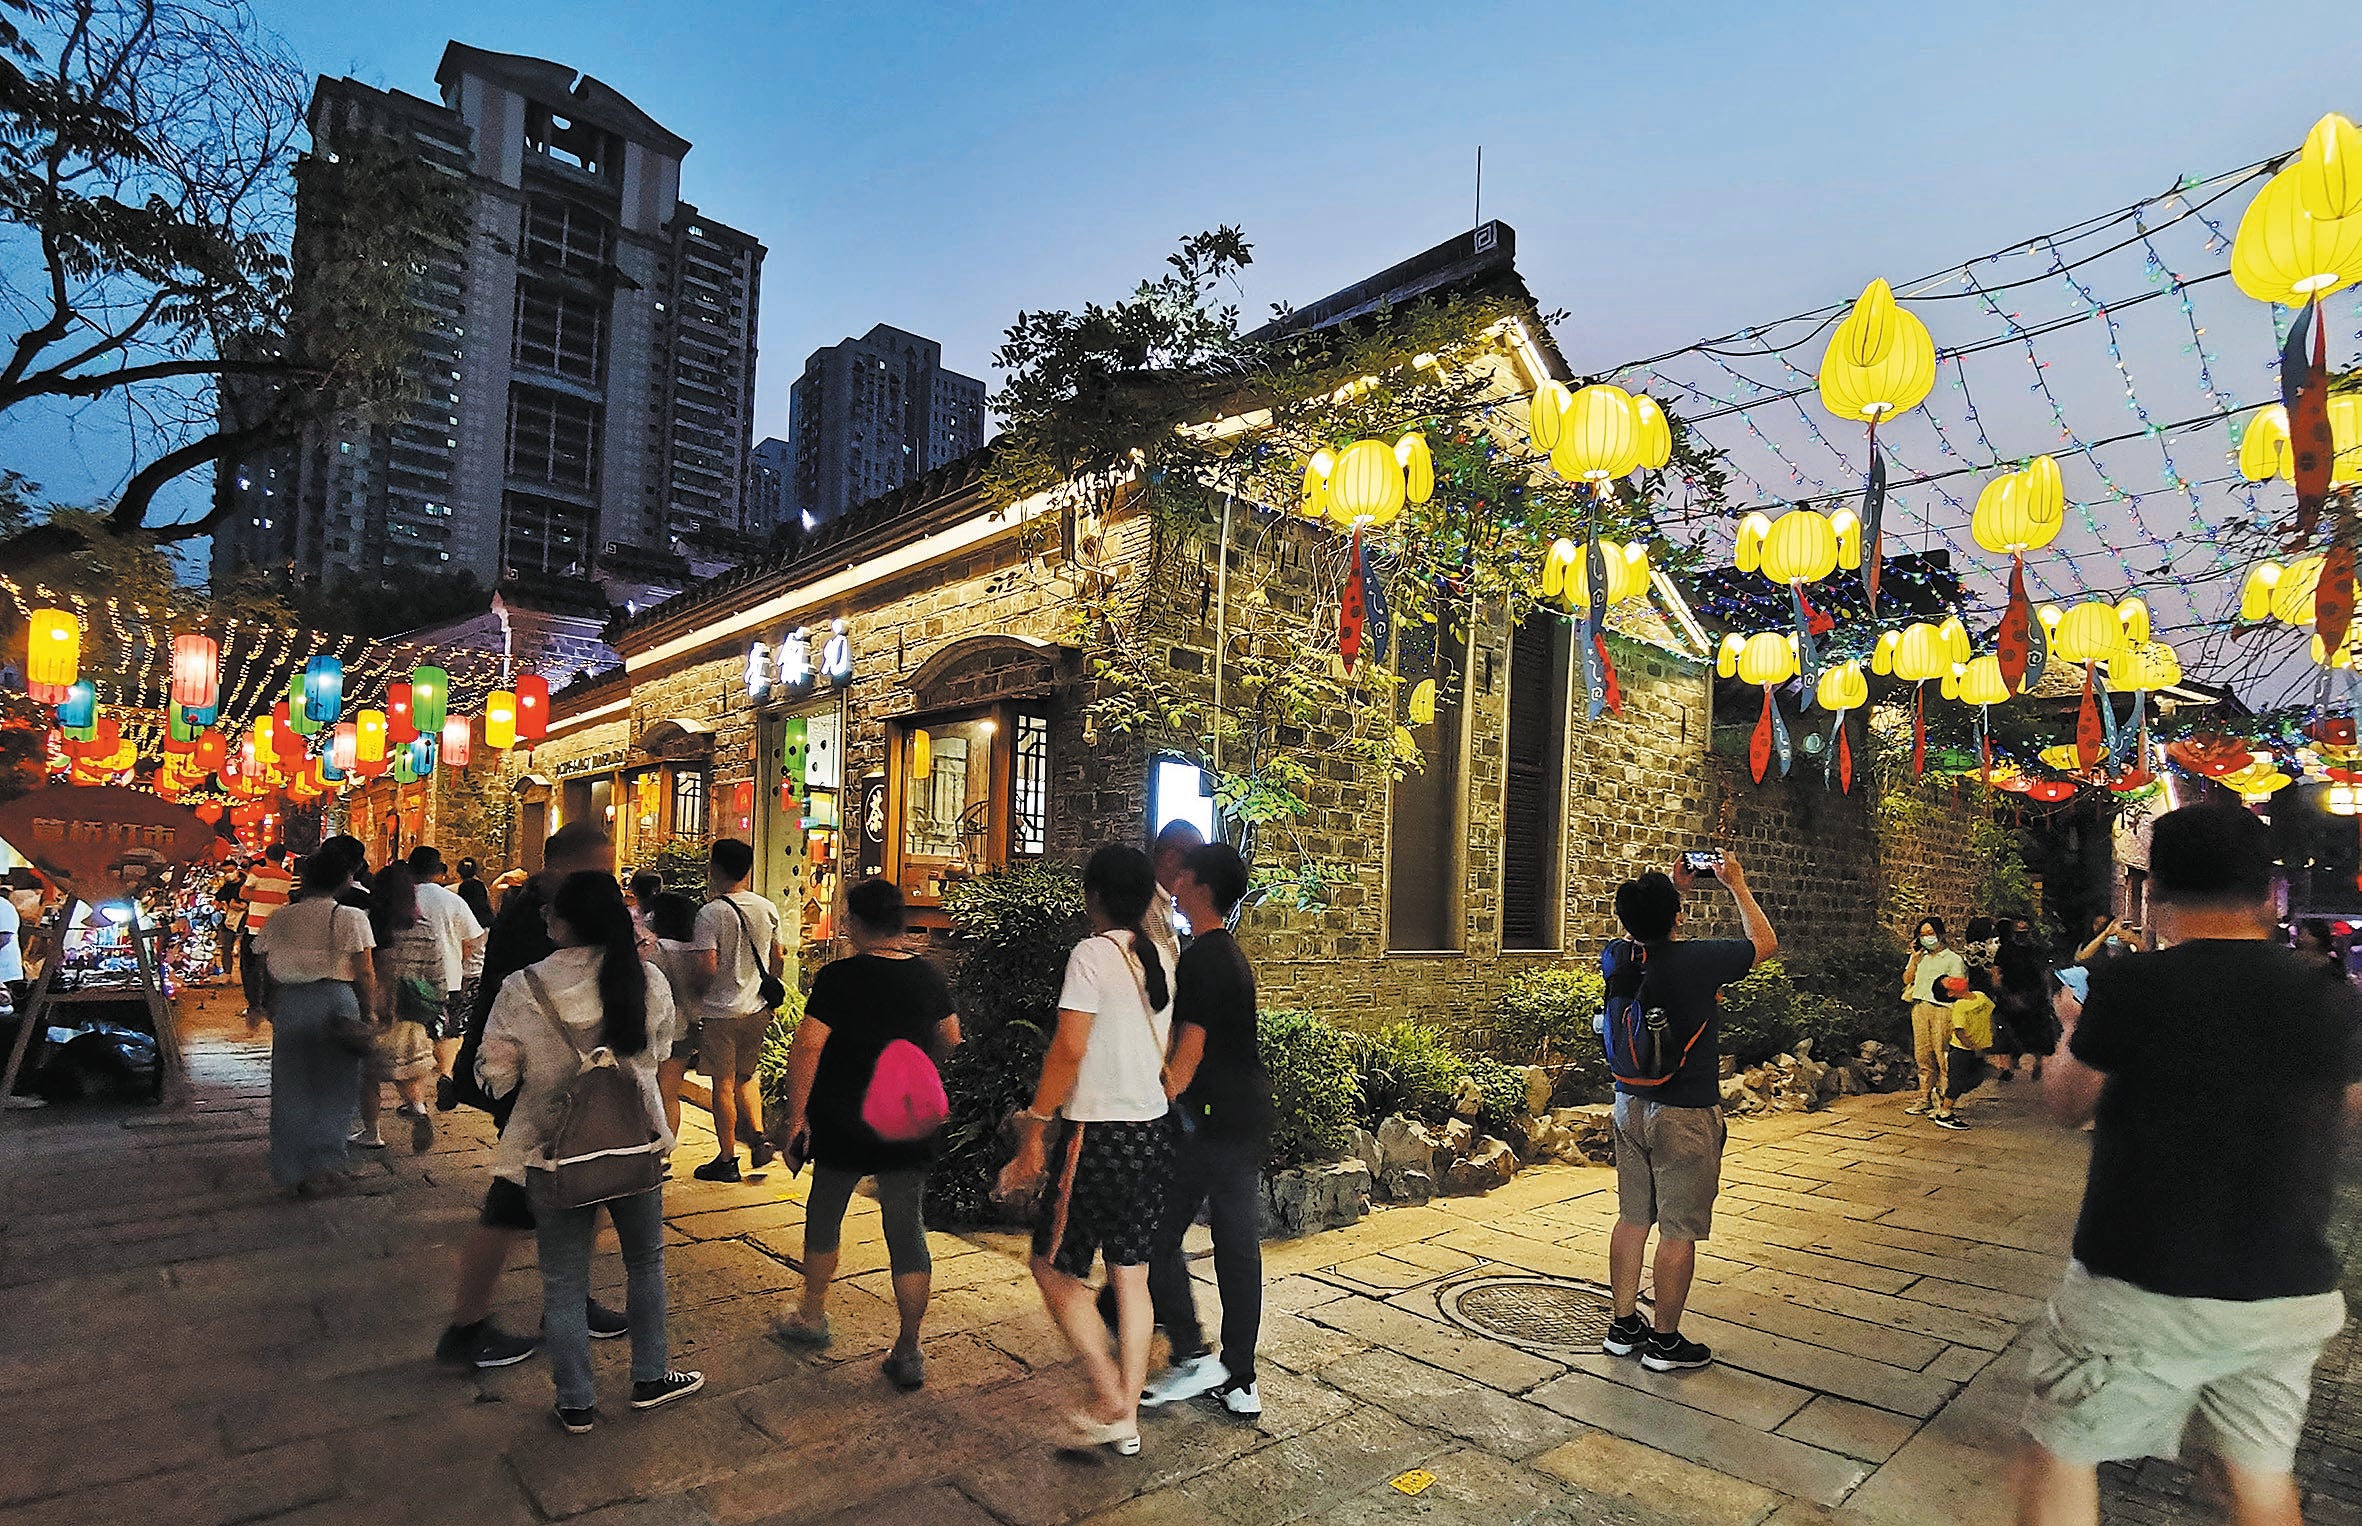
point(212, 751)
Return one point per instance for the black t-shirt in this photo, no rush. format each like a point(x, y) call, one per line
point(868, 1001)
point(2214, 1160)
point(1214, 989)
point(1686, 980)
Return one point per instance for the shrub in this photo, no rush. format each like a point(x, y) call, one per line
point(1546, 1016)
point(1759, 1014)
point(1315, 1090)
point(1016, 927)
point(771, 1064)
point(1503, 1090)
point(1406, 1068)
point(1863, 976)
point(987, 1078)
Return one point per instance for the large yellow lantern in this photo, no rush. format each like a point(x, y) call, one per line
point(2020, 511)
point(1800, 546)
point(1842, 688)
point(2095, 630)
point(1880, 362)
point(1656, 435)
point(1546, 415)
point(1369, 481)
point(2285, 253)
point(500, 720)
point(1599, 438)
point(2329, 169)
point(1565, 575)
point(1978, 682)
point(53, 655)
point(2296, 595)
point(1920, 651)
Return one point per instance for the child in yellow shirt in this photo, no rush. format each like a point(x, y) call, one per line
point(1971, 998)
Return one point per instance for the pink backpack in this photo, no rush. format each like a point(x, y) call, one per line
point(905, 1102)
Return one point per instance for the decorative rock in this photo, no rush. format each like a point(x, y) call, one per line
point(1468, 1100)
point(1406, 1185)
point(1537, 1090)
point(1459, 1138)
point(1362, 1145)
point(1490, 1165)
point(1302, 1202)
point(1403, 1144)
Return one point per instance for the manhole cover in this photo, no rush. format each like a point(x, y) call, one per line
point(1532, 1311)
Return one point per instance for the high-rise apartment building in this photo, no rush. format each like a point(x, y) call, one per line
point(582, 392)
point(871, 413)
point(771, 483)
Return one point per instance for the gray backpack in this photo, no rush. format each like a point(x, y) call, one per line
point(603, 1146)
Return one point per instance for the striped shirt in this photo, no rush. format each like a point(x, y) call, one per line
point(268, 887)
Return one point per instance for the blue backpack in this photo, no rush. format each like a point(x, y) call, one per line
point(1642, 1052)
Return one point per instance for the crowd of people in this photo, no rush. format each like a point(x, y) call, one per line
point(2217, 1071)
point(572, 1007)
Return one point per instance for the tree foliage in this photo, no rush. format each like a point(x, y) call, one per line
point(150, 164)
point(1161, 402)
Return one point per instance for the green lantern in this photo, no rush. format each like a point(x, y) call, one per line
point(430, 700)
point(299, 719)
point(178, 724)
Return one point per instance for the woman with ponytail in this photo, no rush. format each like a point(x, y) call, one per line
point(593, 1000)
point(1098, 1141)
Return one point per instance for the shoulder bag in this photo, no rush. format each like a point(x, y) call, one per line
point(774, 989)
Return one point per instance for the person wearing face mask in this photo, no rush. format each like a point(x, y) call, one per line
point(1931, 1018)
point(2110, 939)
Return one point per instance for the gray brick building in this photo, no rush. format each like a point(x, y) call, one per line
point(582, 392)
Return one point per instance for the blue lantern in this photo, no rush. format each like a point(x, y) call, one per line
point(415, 760)
point(323, 690)
point(80, 708)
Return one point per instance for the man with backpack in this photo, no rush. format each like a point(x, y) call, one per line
point(1662, 1029)
point(740, 958)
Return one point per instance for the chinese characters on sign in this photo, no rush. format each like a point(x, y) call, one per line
point(788, 668)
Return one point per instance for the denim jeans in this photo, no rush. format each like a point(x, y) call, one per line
point(565, 1238)
point(1226, 1175)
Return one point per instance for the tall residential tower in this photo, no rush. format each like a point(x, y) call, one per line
point(583, 387)
point(872, 413)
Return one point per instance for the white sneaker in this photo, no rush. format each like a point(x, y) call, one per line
point(1916, 1109)
point(366, 1139)
point(1185, 1380)
point(1243, 1400)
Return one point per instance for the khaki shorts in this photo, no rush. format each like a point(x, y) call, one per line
point(1668, 1166)
point(2119, 1372)
point(728, 1047)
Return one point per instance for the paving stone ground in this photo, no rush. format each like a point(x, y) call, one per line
point(178, 1343)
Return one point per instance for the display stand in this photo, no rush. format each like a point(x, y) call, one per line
point(170, 1063)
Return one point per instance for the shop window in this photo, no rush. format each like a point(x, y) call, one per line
point(1178, 792)
point(689, 803)
point(971, 791)
point(1426, 838)
point(1533, 790)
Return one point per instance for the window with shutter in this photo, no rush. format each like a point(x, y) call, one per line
point(1533, 791)
point(1426, 832)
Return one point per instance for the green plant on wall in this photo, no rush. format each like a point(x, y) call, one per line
point(1111, 407)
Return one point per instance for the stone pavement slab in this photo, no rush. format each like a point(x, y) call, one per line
point(249, 1358)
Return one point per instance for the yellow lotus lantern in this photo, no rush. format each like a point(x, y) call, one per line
point(1546, 415)
point(1565, 577)
point(2144, 668)
point(1767, 659)
point(2265, 450)
point(2295, 594)
point(2259, 781)
point(1599, 437)
point(2329, 169)
point(2018, 512)
point(1917, 653)
point(2096, 631)
point(1421, 708)
point(1656, 434)
point(1800, 547)
point(1978, 682)
point(1880, 362)
point(1369, 481)
point(2288, 252)
point(1842, 688)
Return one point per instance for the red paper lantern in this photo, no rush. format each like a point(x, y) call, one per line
point(208, 811)
point(196, 671)
point(212, 751)
point(457, 741)
point(399, 726)
point(2051, 791)
point(344, 749)
point(532, 708)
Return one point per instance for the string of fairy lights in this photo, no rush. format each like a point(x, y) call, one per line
point(2118, 347)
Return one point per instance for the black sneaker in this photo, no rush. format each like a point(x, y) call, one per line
point(762, 1151)
point(495, 1347)
point(606, 1324)
point(1667, 1351)
point(577, 1421)
point(722, 1168)
point(1625, 1336)
point(673, 1385)
point(1948, 1121)
point(458, 1346)
point(446, 1094)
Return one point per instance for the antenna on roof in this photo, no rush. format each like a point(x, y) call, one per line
point(1479, 187)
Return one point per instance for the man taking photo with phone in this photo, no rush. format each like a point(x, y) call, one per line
point(1663, 1031)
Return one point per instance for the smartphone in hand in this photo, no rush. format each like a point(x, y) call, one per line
point(1706, 863)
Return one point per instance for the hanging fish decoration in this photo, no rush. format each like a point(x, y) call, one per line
point(1919, 729)
point(2333, 595)
point(2011, 643)
point(2115, 738)
point(1599, 673)
point(1380, 624)
point(2304, 389)
point(1873, 510)
point(1985, 744)
point(1845, 757)
point(1759, 746)
point(1352, 614)
point(1808, 657)
point(2090, 740)
point(1780, 736)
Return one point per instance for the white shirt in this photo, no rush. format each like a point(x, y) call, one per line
point(314, 939)
point(737, 989)
point(454, 927)
point(1121, 1079)
point(12, 953)
point(571, 976)
point(1163, 923)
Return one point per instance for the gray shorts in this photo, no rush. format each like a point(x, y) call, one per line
point(1668, 1166)
point(2119, 1372)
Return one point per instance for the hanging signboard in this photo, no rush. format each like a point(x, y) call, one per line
point(103, 842)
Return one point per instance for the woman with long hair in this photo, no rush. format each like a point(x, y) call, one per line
point(324, 994)
point(592, 1002)
point(878, 995)
point(409, 963)
point(1106, 1165)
